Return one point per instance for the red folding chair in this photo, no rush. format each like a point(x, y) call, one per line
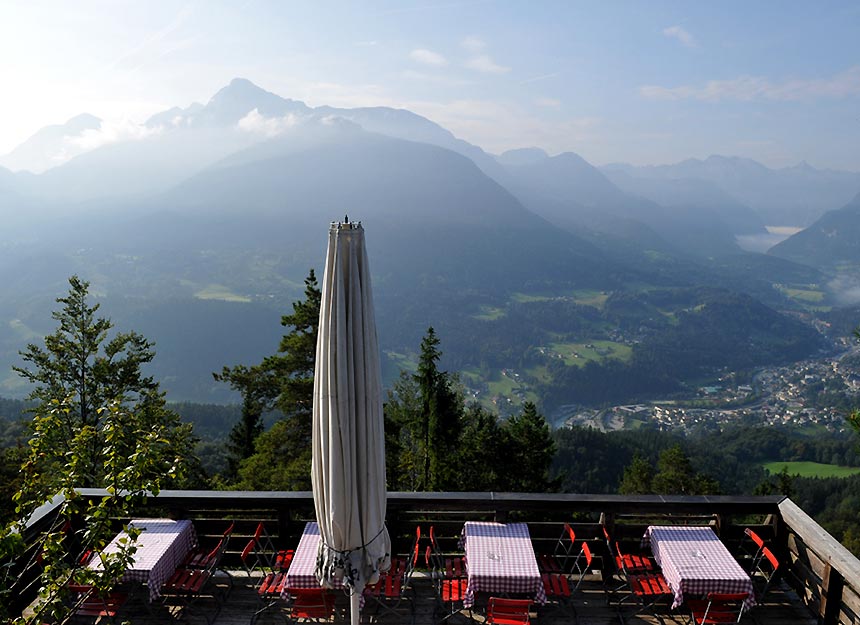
point(751, 553)
point(86, 602)
point(311, 605)
point(202, 559)
point(502, 611)
point(764, 575)
point(557, 561)
point(560, 589)
point(189, 585)
point(395, 587)
point(647, 589)
point(450, 591)
point(717, 608)
point(454, 565)
point(277, 559)
point(270, 593)
point(620, 562)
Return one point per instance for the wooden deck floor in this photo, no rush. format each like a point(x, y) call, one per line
point(781, 608)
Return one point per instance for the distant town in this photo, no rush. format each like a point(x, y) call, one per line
point(775, 396)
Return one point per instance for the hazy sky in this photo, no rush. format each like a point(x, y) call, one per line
point(643, 82)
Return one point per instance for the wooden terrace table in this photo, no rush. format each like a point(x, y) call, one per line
point(501, 560)
point(695, 562)
point(162, 546)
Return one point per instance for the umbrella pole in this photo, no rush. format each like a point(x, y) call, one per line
point(355, 608)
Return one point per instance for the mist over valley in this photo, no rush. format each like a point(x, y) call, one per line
point(198, 228)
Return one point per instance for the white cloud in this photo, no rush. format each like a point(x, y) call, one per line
point(483, 63)
point(749, 88)
point(428, 57)
point(110, 132)
point(473, 44)
point(676, 32)
point(548, 102)
point(255, 123)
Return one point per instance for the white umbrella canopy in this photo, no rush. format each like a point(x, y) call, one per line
point(348, 465)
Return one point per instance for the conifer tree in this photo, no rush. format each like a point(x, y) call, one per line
point(439, 421)
point(482, 462)
point(531, 449)
point(637, 477)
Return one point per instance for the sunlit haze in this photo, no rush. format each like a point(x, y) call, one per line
point(641, 82)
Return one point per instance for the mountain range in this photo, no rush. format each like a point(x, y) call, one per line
point(200, 226)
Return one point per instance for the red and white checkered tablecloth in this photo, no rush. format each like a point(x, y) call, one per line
point(695, 562)
point(161, 547)
point(302, 571)
point(501, 560)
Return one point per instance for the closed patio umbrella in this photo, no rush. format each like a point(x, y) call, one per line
point(348, 465)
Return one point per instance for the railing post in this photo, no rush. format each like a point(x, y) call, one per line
point(831, 596)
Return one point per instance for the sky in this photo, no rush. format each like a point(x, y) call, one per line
point(643, 82)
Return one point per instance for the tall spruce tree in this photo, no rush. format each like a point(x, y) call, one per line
point(482, 462)
point(530, 450)
point(637, 477)
point(283, 381)
point(439, 420)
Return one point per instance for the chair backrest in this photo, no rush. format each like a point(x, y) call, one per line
point(720, 608)
point(610, 552)
point(508, 611)
point(413, 561)
point(249, 552)
point(765, 573)
point(581, 565)
point(264, 539)
point(758, 540)
point(564, 547)
point(213, 558)
point(752, 553)
point(433, 542)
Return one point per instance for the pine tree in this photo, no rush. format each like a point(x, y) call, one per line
point(531, 449)
point(637, 478)
point(482, 463)
point(438, 424)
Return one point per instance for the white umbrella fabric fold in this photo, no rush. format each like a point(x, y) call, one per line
point(348, 465)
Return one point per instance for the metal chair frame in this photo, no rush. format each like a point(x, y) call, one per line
point(449, 591)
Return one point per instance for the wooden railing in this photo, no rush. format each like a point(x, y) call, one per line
point(825, 575)
point(823, 572)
